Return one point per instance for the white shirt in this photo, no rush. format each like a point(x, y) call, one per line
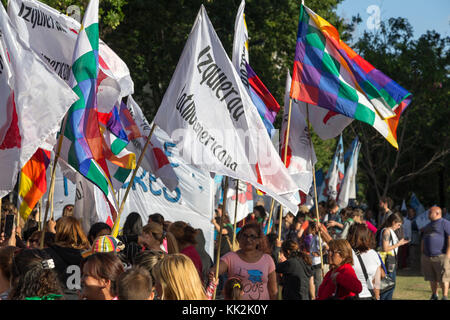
point(372, 263)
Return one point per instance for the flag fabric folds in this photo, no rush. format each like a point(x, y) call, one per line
point(300, 153)
point(348, 187)
point(33, 102)
point(210, 116)
point(265, 103)
point(33, 181)
point(335, 175)
point(329, 74)
point(82, 145)
point(244, 199)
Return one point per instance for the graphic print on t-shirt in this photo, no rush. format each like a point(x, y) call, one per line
point(254, 287)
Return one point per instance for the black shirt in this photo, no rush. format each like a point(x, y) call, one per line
point(295, 280)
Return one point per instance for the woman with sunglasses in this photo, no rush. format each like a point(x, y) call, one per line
point(341, 281)
point(252, 264)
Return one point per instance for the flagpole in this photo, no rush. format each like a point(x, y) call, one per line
point(315, 191)
point(272, 205)
point(52, 182)
point(235, 212)
point(115, 229)
point(220, 232)
point(286, 145)
point(40, 215)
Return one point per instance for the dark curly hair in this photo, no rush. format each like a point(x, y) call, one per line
point(29, 276)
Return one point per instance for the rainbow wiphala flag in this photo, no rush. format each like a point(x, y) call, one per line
point(329, 74)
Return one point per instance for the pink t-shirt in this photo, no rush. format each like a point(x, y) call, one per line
point(254, 276)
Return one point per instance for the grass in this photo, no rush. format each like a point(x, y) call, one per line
point(411, 286)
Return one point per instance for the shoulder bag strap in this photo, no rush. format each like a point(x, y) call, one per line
point(363, 267)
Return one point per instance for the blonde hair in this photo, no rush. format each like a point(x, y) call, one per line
point(179, 279)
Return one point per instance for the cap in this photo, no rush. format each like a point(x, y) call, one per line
point(104, 244)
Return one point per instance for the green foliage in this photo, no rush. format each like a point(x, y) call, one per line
point(421, 66)
point(110, 11)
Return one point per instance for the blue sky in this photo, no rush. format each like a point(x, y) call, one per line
point(422, 15)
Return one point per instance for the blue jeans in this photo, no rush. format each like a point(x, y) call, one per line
point(388, 294)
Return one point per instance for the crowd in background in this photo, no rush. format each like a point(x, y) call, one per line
point(348, 253)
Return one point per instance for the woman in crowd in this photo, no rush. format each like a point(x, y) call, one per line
point(148, 259)
point(185, 236)
point(70, 242)
point(100, 273)
point(132, 237)
point(252, 264)
point(368, 265)
point(390, 244)
point(98, 229)
point(341, 281)
point(33, 276)
point(177, 278)
point(154, 235)
point(297, 275)
point(6, 256)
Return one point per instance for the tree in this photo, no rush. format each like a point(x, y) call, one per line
point(421, 66)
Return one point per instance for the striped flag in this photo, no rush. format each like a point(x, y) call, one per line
point(348, 188)
point(329, 74)
point(82, 146)
point(335, 175)
point(33, 181)
point(265, 103)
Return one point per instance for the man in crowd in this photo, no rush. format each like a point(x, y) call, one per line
point(436, 253)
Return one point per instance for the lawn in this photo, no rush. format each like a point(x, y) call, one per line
point(411, 286)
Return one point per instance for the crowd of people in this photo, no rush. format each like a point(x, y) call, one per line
point(347, 253)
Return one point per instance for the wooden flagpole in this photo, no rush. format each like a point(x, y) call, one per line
point(115, 230)
point(286, 145)
point(235, 212)
point(220, 233)
point(269, 227)
point(315, 191)
point(52, 184)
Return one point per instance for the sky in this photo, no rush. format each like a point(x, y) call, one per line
point(422, 15)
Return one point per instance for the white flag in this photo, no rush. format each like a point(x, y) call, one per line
point(32, 104)
point(326, 124)
point(155, 159)
point(300, 157)
point(207, 111)
point(244, 200)
point(348, 187)
point(53, 35)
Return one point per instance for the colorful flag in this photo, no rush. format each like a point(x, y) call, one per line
point(82, 145)
point(33, 102)
point(329, 74)
point(265, 103)
point(210, 116)
point(335, 175)
point(348, 188)
point(33, 181)
point(301, 156)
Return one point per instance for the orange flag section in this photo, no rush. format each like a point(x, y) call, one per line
point(33, 181)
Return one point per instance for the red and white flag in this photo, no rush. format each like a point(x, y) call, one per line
point(300, 153)
point(33, 101)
